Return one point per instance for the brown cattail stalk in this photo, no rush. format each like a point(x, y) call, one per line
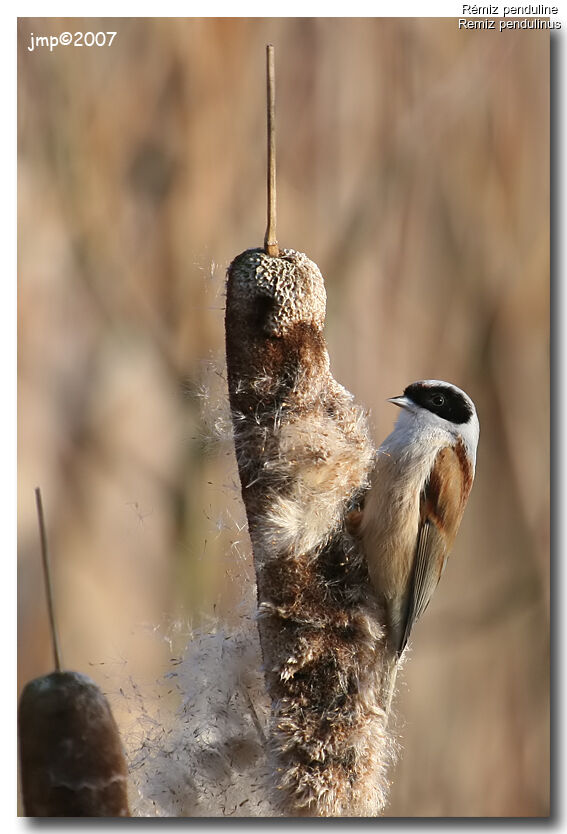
point(304, 456)
point(71, 758)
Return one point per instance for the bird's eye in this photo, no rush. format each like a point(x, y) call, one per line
point(438, 400)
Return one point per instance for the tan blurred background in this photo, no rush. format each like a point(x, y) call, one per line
point(413, 168)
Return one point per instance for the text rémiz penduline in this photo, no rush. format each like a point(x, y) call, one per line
point(514, 11)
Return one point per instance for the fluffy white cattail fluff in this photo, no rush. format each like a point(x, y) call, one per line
point(203, 754)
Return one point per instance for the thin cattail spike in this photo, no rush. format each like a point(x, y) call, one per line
point(47, 578)
point(270, 240)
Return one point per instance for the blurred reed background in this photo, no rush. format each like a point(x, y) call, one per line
point(413, 168)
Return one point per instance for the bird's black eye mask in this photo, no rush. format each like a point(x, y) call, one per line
point(445, 402)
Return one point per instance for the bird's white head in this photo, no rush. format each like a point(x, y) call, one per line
point(434, 404)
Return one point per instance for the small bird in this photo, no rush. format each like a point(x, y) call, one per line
point(420, 484)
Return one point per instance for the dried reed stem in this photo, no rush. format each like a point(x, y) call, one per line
point(47, 579)
point(270, 240)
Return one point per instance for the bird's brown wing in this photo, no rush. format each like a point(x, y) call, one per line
point(442, 504)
